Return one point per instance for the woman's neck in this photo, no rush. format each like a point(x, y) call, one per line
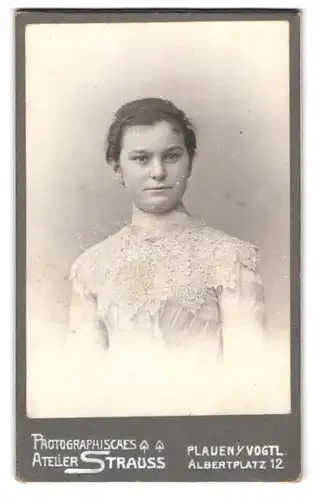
point(159, 220)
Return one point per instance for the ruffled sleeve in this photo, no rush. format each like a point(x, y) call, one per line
point(82, 275)
point(243, 306)
point(250, 288)
point(85, 323)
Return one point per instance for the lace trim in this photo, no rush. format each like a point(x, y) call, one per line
point(140, 272)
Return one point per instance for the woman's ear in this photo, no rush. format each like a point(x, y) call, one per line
point(190, 167)
point(119, 175)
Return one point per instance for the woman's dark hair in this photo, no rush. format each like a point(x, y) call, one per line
point(147, 112)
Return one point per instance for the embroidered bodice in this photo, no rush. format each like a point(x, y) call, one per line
point(166, 286)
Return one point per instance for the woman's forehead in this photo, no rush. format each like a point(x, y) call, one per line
point(159, 135)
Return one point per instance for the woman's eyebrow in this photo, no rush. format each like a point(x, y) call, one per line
point(174, 148)
point(167, 150)
point(139, 151)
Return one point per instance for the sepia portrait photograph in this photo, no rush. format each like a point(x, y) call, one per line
point(157, 218)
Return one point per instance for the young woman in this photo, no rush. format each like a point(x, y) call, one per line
point(165, 286)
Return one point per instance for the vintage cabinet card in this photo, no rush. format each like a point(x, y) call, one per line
point(158, 233)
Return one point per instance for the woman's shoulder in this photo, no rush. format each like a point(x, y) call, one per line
point(226, 246)
point(98, 255)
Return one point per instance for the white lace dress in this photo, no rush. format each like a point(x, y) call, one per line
point(163, 305)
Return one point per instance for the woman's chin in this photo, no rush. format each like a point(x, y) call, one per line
point(158, 208)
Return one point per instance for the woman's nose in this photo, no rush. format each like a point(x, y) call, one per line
point(158, 171)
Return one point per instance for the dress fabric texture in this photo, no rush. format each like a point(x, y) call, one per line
point(178, 287)
point(155, 314)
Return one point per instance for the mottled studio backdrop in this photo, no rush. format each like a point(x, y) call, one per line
point(232, 79)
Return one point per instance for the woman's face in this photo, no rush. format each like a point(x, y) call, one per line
point(155, 166)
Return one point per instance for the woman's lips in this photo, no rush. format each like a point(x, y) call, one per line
point(160, 188)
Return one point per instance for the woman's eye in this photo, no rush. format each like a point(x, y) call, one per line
point(172, 157)
point(141, 159)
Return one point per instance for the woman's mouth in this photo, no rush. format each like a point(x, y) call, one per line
point(158, 188)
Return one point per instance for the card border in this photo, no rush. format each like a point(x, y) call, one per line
point(24, 17)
